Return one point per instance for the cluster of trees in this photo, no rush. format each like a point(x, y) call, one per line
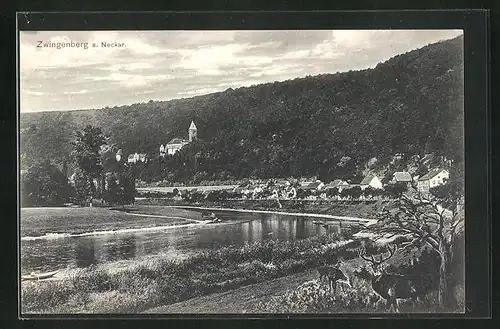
point(434, 222)
point(44, 184)
point(326, 125)
point(97, 174)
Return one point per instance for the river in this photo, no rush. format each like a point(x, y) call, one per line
point(66, 252)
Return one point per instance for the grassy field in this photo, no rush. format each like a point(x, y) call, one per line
point(162, 282)
point(303, 292)
point(246, 299)
point(269, 277)
point(300, 293)
point(41, 221)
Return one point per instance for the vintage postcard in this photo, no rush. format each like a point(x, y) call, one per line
point(242, 171)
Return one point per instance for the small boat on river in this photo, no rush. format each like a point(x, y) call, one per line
point(210, 217)
point(41, 276)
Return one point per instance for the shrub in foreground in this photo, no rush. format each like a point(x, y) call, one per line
point(39, 297)
point(315, 297)
point(91, 279)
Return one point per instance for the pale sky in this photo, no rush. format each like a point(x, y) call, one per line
point(164, 65)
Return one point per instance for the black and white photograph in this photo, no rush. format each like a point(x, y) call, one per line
point(241, 171)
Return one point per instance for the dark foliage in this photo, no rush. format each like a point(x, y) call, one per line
point(112, 190)
point(371, 192)
point(86, 152)
point(120, 187)
point(126, 192)
point(327, 125)
point(396, 190)
point(44, 185)
point(332, 192)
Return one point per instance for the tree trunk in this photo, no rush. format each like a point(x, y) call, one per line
point(443, 275)
point(92, 188)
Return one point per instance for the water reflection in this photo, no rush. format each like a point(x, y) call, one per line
point(46, 255)
point(85, 252)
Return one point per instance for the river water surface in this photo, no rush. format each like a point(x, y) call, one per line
point(64, 252)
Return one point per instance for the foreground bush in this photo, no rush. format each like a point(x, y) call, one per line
point(44, 185)
point(315, 297)
point(45, 296)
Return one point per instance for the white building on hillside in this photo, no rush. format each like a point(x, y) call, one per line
point(372, 181)
point(176, 144)
point(432, 179)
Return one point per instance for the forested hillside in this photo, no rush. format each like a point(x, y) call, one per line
point(327, 125)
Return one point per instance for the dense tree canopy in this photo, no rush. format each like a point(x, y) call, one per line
point(87, 157)
point(326, 125)
point(44, 185)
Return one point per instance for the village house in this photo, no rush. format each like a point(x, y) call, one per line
point(136, 157)
point(433, 178)
point(317, 185)
point(176, 144)
point(372, 181)
point(337, 183)
point(401, 177)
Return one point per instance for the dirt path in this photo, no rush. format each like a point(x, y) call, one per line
point(241, 300)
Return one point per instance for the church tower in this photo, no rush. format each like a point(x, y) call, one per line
point(192, 132)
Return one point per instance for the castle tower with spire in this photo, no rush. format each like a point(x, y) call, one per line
point(177, 143)
point(193, 131)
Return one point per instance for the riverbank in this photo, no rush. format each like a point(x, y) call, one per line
point(52, 223)
point(353, 219)
point(163, 282)
point(303, 292)
point(242, 300)
point(334, 209)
